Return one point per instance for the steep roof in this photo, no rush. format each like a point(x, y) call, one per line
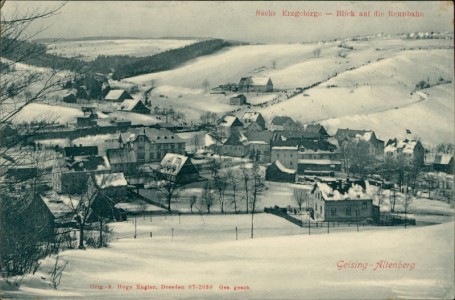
point(264, 136)
point(341, 133)
point(229, 121)
point(283, 168)
point(251, 116)
point(443, 159)
point(256, 80)
point(172, 163)
point(84, 163)
point(129, 104)
point(121, 156)
point(333, 191)
point(116, 94)
point(155, 135)
point(405, 146)
point(236, 139)
point(281, 120)
point(107, 180)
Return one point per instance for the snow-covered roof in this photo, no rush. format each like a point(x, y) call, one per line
point(256, 80)
point(285, 147)
point(251, 116)
point(172, 163)
point(280, 120)
point(110, 180)
point(283, 168)
point(115, 95)
point(318, 161)
point(128, 104)
point(442, 159)
point(60, 205)
point(405, 146)
point(228, 121)
point(351, 191)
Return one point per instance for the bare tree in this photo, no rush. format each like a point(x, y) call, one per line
point(233, 181)
point(193, 200)
point(57, 271)
point(246, 177)
point(169, 190)
point(220, 187)
point(207, 198)
point(256, 189)
point(301, 197)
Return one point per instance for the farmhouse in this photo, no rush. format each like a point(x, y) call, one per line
point(69, 175)
point(177, 168)
point(238, 100)
point(279, 173)
point(229, 125)
point(104, 190)
point(250, 119)
point(282, 123)
point(69, 98)
point(117, 96)
point(260, 144)
point(236, 145)
point(375, 145)
point(255, 84)
point(443, 163)
point(148, 144)
point(350, 201)
point(316, 128)
point(411, 151)
point(136, 106)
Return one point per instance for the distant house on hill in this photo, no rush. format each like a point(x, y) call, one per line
point(238, 100)
point(117, 96)
point(443, 163)
point(135, 106)
point(344, 201)
point(253, 84)
point(250, 118)
point(177, 168)
point(282, 123)
point(279, 173)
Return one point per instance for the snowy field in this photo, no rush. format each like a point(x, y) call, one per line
point(281, 262)
point(90, 49)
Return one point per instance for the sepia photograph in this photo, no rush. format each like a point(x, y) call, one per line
point(227, 150)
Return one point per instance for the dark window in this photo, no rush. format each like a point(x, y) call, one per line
point(348, 211)
point(333, 212)
point(364, 205)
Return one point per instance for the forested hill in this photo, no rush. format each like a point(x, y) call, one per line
point(121, 65)
point(166, 60)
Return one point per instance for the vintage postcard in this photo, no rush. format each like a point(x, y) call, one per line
point(227, 150)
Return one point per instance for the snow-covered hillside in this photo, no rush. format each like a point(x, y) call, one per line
point(374, 77)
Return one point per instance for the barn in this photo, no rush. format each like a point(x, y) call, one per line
point(279, 173)
point(253, 84)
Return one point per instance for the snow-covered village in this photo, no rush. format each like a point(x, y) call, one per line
point(215, 155)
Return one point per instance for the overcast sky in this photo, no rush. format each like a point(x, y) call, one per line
point(235, 20)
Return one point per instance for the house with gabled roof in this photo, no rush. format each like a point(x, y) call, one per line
point(239, 99)
point(316, 128)
point(228, 125)
point(443, 163)
point(279, 173)
point(117, 96)
point(236, 145)
point(136, 106)
point(282, 123)
point(255, 84)
point(375, 145)
point(177, 168)
point(253, 118)
point(350, 201)
point(411, 151)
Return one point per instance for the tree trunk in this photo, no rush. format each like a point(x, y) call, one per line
point(252, 227)
point(101, 233)
point(81, 236)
